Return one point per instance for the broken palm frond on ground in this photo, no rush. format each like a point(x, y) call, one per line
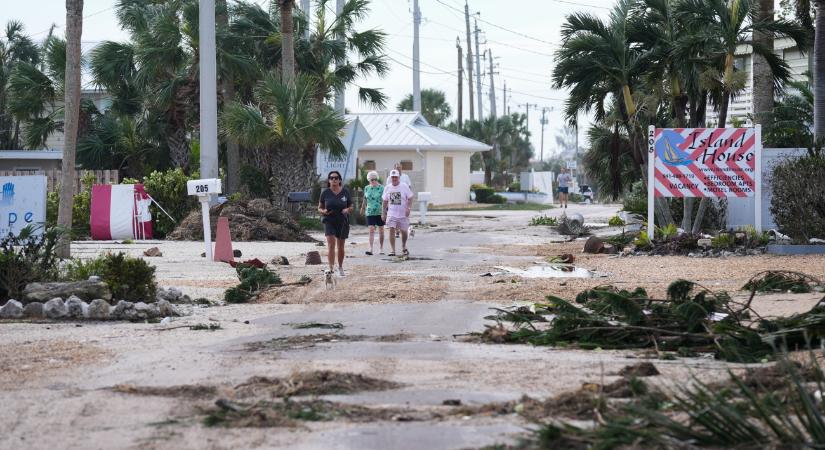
point(782, 281)
point(692, 319)
point(742, 412)
point(326, 326)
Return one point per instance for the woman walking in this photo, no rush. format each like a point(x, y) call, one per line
point(371, 208)
point(335, 205)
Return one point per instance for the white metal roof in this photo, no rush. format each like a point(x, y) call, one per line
point(31, 154)
point(410, 131)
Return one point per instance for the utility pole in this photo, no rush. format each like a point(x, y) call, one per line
point(543, 123)
point(208, 90)
point(492, 87)
point(469, 58)
point(478, 77)
point(504, 99)
point(339, 93)
point(460, 78)
point(416, 63)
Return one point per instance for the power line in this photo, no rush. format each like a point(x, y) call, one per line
point(519, 33)
point(84, 18)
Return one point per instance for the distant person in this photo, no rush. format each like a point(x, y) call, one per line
point(396, 210)
point(371, 208)
point(564, 180)
point(336, 206)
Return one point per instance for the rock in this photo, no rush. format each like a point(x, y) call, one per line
point(75, 307)
point(280, 261)
point(145, 311)
point(94, 278)
point(33, 310)
point(609, 249)
point(727, 254)
point(237, 253)
point(313, 258)
point(165, 309)
point(55, 308)
point(153, 252)
point(704, 242)
point(123, 310)
point(99, 309)
point(642, 369)
point(593, 245)
point(11, 310)
point(84, 290)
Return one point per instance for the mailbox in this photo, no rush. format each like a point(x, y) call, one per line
point(204, 187)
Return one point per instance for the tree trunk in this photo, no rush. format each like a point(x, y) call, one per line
point(74, 29)
point(819, 73)
point(723, 109)
point(178, 147)
point(287, 40)
point(299, 176)
point(762, 77)
point(233, 157)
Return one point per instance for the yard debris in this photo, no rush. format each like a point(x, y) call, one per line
point(782, 281)
point(254, 262)
point(593, 245)
point(323, 382)
point(566, 258)
point(206, 326)
point(304, 325)
point(255, 220)
point(691, 320)
point(311, 340)
point(187, 390)
point(152, 252)
point(280, 261)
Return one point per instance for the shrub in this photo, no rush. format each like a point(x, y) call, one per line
point(643, 241)
point(27, 258)
point(616, 221)
point(723, 241)
point(81, 207)
point(514, 187)
point(128, 278)
point(483, 193)
point(667, 232)
point(169, 190)
point(544, 220)
point(496, 199)
point(798, 203)
point(636, 200)
point(253, 281)
point(310, 223)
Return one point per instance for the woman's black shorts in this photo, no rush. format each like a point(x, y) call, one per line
point(375, 221)
point(338, 229)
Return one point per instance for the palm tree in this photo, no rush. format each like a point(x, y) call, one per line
point(819, 72)
point(434, 106)
point(284, 117)
point(720, 27)
point(74, 29)
point(287, 39)
point(763, 90)
point(609, 160)
point(15, 48)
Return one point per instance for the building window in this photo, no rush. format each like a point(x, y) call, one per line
point(406, 165)
point(369, 165)
point(448, 171)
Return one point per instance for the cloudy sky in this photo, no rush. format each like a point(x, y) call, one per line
point(521, 35)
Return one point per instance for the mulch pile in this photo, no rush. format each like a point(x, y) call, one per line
point(255, 220)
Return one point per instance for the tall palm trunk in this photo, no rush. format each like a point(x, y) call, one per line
point(819, 72)
point(762, 77)
point(287, 40)
point(74, 29)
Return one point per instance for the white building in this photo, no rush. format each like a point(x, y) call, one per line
point(436, 160)
point(741, 106)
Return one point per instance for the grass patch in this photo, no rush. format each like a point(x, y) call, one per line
point(310, 224)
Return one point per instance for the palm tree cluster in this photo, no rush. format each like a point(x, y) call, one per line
point(275, 83)
point(663, 63)
point(510, 139)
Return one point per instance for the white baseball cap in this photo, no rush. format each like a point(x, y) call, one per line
point(394, 173)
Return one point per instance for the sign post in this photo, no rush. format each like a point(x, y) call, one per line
point(705, 163)
point(651, 163)
point(204, 189)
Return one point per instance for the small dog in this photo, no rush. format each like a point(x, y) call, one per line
point(329, 279)
point(412, 232)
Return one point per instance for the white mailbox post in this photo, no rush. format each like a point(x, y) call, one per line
point(204, 189)
point(423, 199)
